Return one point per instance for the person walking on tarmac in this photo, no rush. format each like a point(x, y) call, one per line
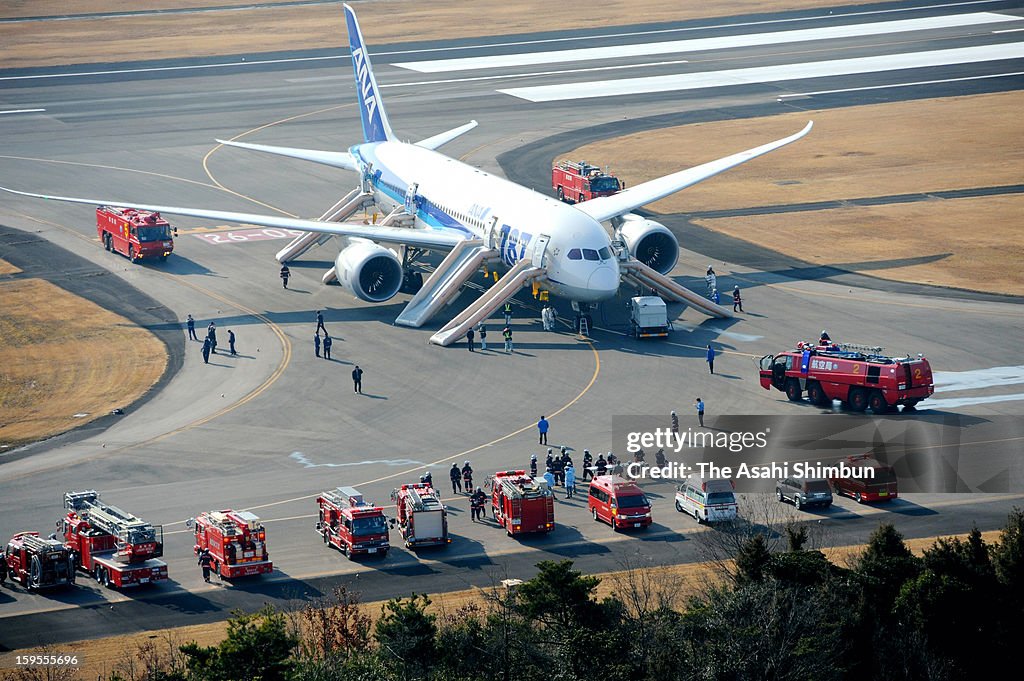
point(211, 333)
point(316, 343)
point(542, 431)
point(533, 465)
point(205, 562)
point(320, 322)
point(357, 379)
point(588, 463)
point(699, 404)
point(191, 328)
point(456, 475)
point(507, 333)
point(285, 273)
point(467, 477)
point(206, 350)
point(711, 358)
point(508, 313)
point(231, 342)
point(737, 301)
point(711, 279)
point(328, 342)
point(476, 503)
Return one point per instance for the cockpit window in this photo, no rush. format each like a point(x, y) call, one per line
point(575, 254)
point(590, 254)
point(605, 253)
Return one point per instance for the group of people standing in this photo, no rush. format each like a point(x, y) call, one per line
point(210, 342)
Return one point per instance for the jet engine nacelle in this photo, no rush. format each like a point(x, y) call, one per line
point(650, 242)
point(369, 272)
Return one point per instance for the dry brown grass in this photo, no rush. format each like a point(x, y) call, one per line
point(101, 654)
point(7, 268)
point(877, 150)
point(318, 26)
point(62, 355)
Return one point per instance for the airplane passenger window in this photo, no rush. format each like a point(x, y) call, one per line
point(605, 253)
point(590, 254)
point(575, 254)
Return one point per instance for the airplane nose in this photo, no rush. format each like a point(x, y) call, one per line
point(604, 279)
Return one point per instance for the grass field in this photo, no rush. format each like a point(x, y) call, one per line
point(65, 361)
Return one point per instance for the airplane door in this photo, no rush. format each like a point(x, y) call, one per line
point(539, 249)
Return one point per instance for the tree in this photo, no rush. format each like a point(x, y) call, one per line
point(751, 560)
point(335, 626)
point(406, 631)
point(1008, 557)
point(559, 596)
point(257, 648)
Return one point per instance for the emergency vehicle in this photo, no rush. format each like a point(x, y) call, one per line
point(881, 486)
point(38, 563)
point(422, 518)
point(578, 182)
point(619, 502)
point(236, 541)
point(139, 234)
point(648, 317)
point(858, 376)
point(350, 524)
point(522, 504)
point(707, 500)
point(114, 546)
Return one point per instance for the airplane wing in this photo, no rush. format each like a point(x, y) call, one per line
point(607, 207)
point(445, 137)
point(338, 159)
point(392, 235)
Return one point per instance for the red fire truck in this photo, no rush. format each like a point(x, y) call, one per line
point(38, 563)
point(112, 545)
point(350, 524)
point(578, 182)
point(139, 234)
point(422, 518)
point(522, 504)
point(236, 541)
point(858, 376)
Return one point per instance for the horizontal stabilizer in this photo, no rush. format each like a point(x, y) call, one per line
point(445, 137)
point(338, 159)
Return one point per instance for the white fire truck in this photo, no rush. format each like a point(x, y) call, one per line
point(236, 540)
point(350, 524)
point(422, 518)
point(112, 545)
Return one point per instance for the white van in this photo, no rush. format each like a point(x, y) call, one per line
point(707, 500)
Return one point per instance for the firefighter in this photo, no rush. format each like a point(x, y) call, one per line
point(675, 422)
point(3, 569)
point(533, 465)
point(467, 477)
point(570, 481)
point(477, 502)
point(737, 301)
point(427, 478)
point(825, 339)
point(456, 475)
point(558, 468)
point(550, 460)
point(507, 335)
point(660, 458)
point(601, 464)
point(549, 477)
point(285, 273)
point(205, 561)
point(588, 462)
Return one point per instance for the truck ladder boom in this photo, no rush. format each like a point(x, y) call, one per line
point(445, 283)
point(640, 274)
point(485, 305)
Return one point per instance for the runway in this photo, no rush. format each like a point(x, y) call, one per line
point(271, 429)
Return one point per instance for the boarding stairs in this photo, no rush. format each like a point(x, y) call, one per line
point(641, 275)
point(342, 210)
point(484, 306)
point(444, 284)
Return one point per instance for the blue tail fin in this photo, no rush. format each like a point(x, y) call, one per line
point(371, 108)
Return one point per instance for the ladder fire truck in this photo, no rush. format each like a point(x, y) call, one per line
point(578, 182)
point(422, 518)
point(139, 234)
point(236, 540)
point(114, 546)
point(857, 375)
point(38, 563)
point(522, 504)
point(350, 524)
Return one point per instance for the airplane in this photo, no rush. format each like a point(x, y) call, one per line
point(437, 204)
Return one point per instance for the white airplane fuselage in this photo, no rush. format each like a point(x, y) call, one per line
point(460, 199)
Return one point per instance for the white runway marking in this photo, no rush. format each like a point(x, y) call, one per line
point(499, 61)
point(767, 74)
point(897, 85)
point(302, 459)
point(17, 111)
point(952, 402)
point(952, 381)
